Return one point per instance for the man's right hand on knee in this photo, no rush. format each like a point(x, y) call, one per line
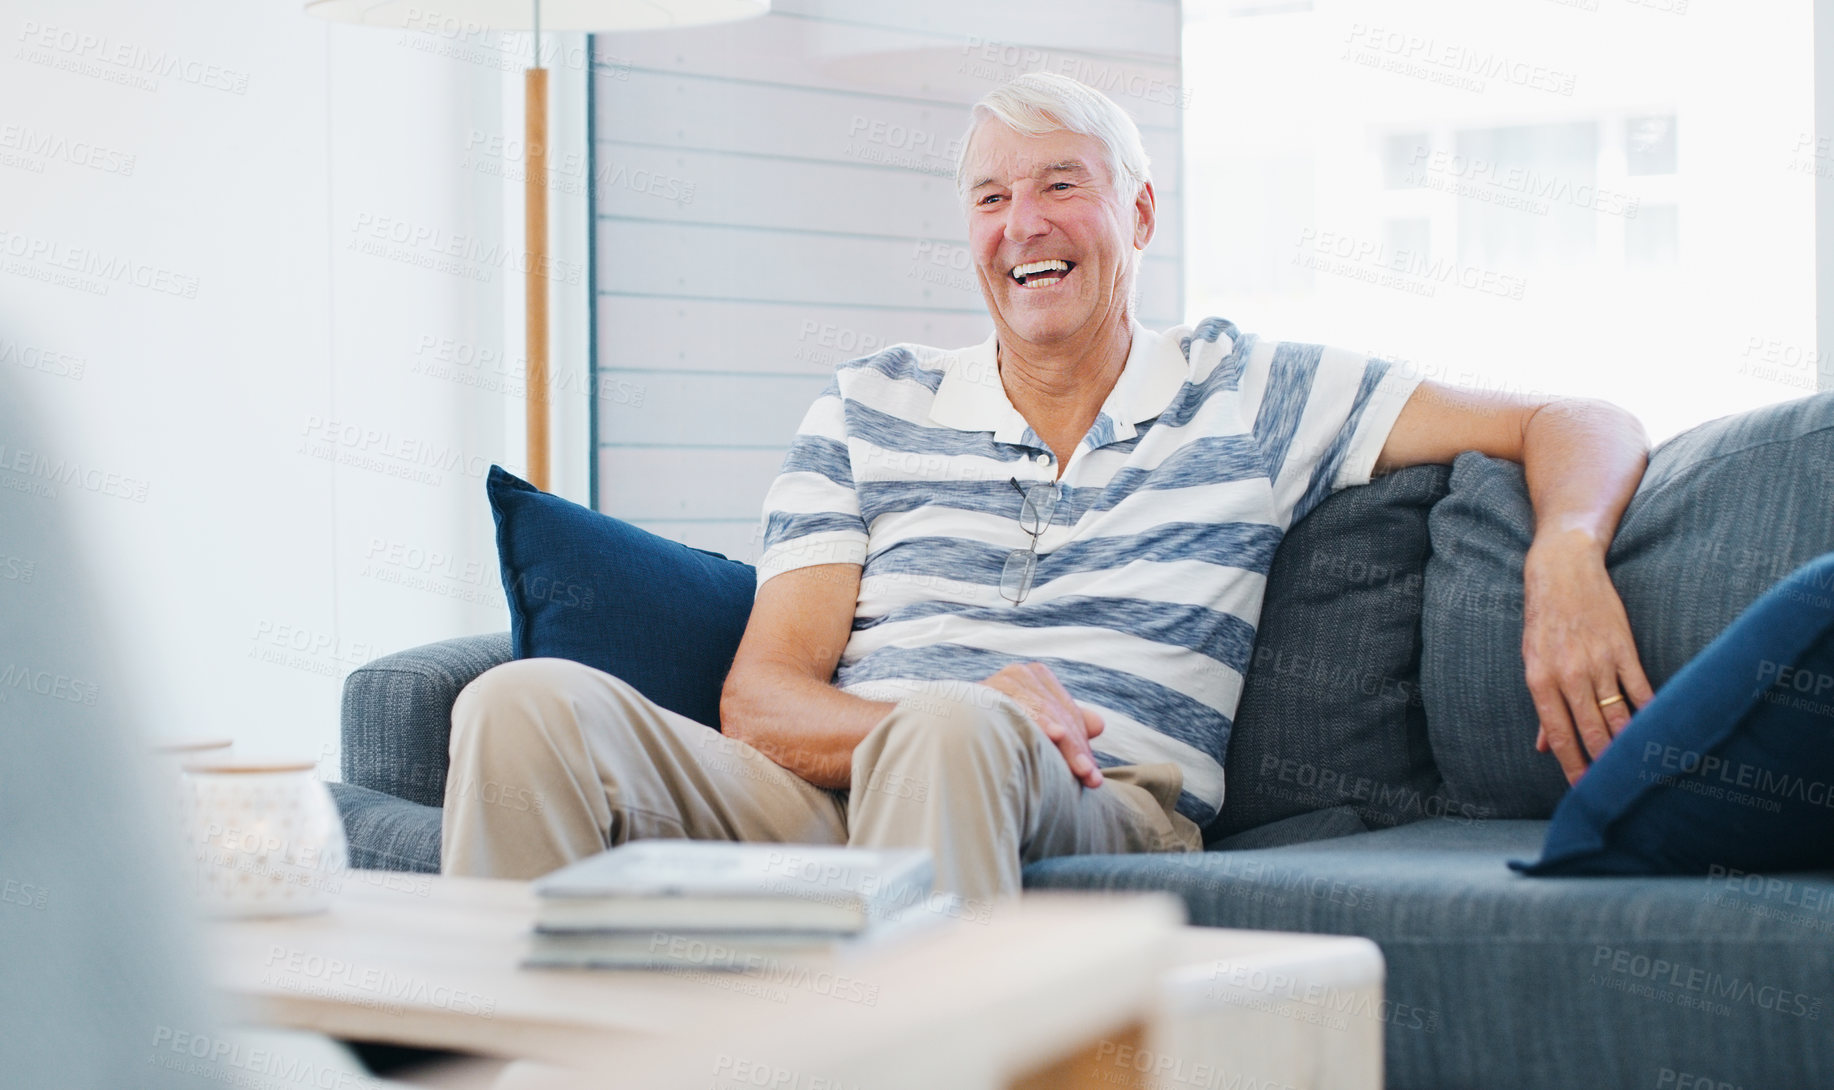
point(1066, 723)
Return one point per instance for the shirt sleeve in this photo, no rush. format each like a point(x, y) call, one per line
point(1323, 417)
point(812, 511)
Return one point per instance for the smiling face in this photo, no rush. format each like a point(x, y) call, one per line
point(1052, 238)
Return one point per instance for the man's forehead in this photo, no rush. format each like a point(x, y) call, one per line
point(993, 175)
point(1010, 155)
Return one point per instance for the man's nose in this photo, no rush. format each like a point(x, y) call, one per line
point(1025, 219)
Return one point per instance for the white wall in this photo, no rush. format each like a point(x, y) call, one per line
point(777, 196)
point(300, 426)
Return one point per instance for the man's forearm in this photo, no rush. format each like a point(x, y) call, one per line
point(807, 726)
point(1583, 460)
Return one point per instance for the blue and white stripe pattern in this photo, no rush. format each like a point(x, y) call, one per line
point(1151, 573)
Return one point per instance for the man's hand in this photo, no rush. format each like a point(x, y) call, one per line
point(1064, 722)
point(1582, 460)
point(1577, 646)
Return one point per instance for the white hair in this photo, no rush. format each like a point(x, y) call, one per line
point(1044, 102)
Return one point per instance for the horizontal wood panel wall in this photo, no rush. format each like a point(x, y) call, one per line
point(777, 196)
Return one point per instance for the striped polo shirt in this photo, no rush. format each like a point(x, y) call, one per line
point(1152, 569)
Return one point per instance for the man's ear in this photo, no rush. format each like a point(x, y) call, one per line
point(1145, 216)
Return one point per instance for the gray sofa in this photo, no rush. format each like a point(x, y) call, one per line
point(1351, 807)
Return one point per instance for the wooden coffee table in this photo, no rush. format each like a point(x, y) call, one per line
point(1057, 990)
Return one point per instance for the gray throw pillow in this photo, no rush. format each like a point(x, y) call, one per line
point(1331, 713)
point(1724, 511)
point(1338, 821)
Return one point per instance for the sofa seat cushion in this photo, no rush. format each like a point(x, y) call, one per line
point(1500, 980)
point(387, 833)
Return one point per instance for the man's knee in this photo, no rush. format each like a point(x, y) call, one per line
point(521, 695)
point(982, 723)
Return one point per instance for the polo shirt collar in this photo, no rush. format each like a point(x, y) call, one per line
point(971, 398)
point(1156, 368)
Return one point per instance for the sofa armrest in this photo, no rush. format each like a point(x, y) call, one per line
point(397, 714)
point(387, 833)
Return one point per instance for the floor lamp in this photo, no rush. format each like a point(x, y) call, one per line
point(534, 15)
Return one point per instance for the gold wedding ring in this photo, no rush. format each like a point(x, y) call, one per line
point(1614, 698)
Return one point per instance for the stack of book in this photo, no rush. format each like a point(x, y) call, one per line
point(716, 905)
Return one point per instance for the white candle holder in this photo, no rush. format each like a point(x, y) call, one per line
point(265, 839)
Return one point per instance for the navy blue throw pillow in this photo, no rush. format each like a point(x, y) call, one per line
point(588, 587)
point(1730, 766)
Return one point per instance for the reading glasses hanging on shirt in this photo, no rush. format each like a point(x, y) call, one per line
point(1034, 516)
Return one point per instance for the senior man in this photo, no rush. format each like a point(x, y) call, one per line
point(1008, 593)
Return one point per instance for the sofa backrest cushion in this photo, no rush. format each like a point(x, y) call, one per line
point(1331, 713)
point(588, 587)
point(1723, 512)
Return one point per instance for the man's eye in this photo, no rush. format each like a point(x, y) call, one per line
point(1060, 186)
point(989, 198)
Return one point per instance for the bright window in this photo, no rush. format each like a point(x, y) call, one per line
point(1610, 198)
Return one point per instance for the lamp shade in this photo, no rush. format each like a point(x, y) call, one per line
point(587, 15)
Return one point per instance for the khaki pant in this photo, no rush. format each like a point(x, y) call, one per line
point(553, 761)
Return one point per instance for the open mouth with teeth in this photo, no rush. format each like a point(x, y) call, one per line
point(1042, 274)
